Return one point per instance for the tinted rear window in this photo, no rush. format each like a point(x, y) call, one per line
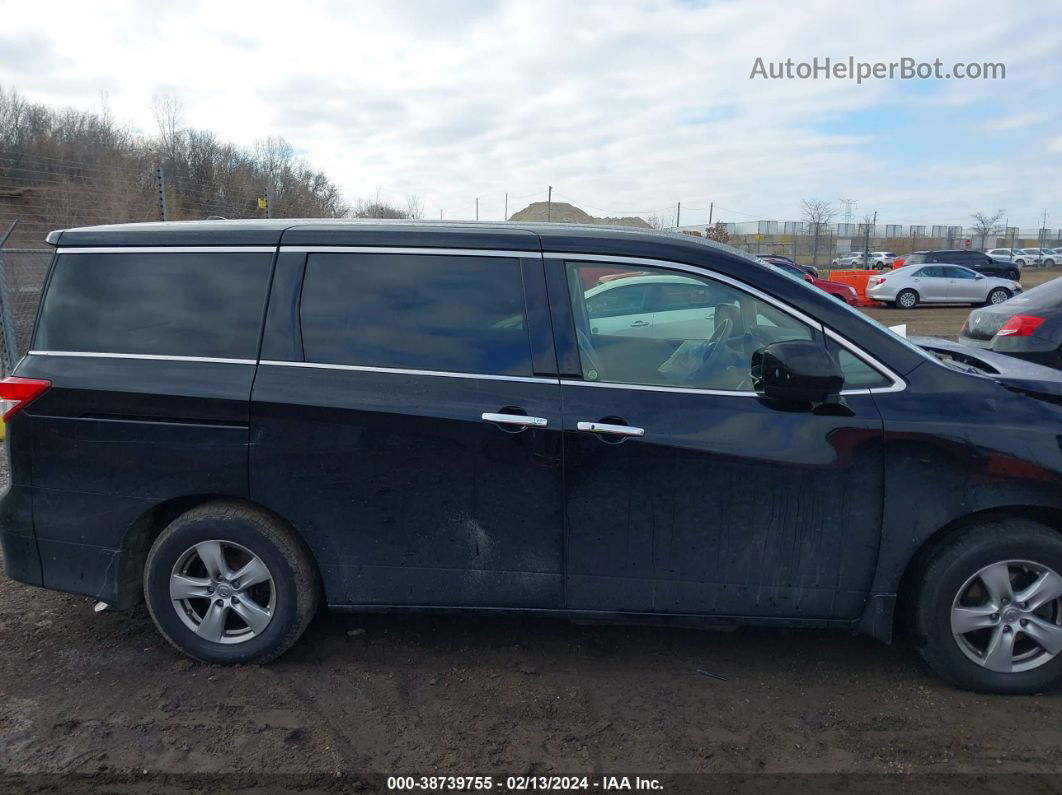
point(417, 312)
point(915, 259)
point(194, 304)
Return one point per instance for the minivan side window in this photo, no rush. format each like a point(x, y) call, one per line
point(415, 311)
point(705, 340)
point(164, 304)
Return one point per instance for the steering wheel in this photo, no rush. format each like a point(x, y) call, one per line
point(592, 368)
point(715, 344)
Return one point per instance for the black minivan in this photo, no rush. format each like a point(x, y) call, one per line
point(237, 420)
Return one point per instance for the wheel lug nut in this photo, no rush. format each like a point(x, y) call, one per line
point(218, 603)
point(1006, 627)
point(1025, 622)
point(235, 601)
point(210, 589)
point(235, 583)
point(995, 616)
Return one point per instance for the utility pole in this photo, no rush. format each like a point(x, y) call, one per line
point(1043, 230)
point(549, 205)
point(506, 218)
point(477, 208)
point(269, 204)
point(678, 215)
point(711, 209)
point(866, 239)
point(160, 180)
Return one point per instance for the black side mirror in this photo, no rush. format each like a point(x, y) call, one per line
point(796, 371)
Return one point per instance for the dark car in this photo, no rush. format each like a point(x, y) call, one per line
point(975, 260)
point(1028, 326)
point(237, 421)
point(839, 290)
point(778, 259)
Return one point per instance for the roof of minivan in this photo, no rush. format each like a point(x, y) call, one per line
point(510, 236)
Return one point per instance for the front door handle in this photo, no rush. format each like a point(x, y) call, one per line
point(605, 427)
point(521, 420)
point(639, 323)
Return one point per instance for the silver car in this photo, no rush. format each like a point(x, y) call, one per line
point(911, 285)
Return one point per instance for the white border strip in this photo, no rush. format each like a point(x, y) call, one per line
point(357, 368)
point(168, 250)
point(451, 252)
point(143, 356)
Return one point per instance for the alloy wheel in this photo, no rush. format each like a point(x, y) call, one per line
point(222, 591)
point(1008, 616)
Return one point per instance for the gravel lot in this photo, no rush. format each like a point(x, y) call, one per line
point(102, 702)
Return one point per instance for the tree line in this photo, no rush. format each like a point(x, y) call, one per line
point(69, 167)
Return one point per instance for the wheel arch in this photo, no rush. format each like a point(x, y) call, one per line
point(919, 559)
point(142, 532)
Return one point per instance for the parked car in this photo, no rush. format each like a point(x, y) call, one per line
point(851, 260)
point(911, 285)
point(778, 259)
point(650, 305)
point(843, 292)
point(975, 260)
point(1044, 257)
point(1007, 255)
point(1028, 326)
point(882, 260)
point(239, 420)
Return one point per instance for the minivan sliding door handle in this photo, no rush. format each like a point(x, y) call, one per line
point(515, 419)
point(604, 427)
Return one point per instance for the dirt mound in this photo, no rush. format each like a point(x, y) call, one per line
point(564, 213)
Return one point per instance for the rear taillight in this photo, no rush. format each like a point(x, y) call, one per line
point(1020, 326)
point(16, 393)
point(874, 281)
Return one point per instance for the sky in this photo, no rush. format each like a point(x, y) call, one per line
point(625, 107)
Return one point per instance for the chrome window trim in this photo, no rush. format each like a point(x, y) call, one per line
point(168, 250)
point(898, 384)
point(143, 356)
point(451, 252)
point(360, 368)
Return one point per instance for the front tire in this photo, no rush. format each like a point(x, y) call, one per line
point(226, 583)
point(988, 612)
point(906, 299)
point(998, 295)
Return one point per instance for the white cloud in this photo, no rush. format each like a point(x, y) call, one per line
point(624, 106)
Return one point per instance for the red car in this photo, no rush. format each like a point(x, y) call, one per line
point(844, 292)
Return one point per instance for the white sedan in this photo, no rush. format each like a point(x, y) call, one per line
point(663, 307)
point(911, 285)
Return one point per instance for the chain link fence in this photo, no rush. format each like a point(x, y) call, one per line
point(22, 275)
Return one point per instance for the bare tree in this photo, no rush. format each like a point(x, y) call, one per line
point(169, 115)
point(656, 222)
point(986, 224)
point(717, 232)
point(817, 213)
point(414, 207)
point(378, 207)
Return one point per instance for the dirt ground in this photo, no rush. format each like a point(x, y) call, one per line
point(101, 702)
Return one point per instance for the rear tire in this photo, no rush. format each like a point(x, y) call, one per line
point(194, 594)
point(906, 299)
point(956, 587)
